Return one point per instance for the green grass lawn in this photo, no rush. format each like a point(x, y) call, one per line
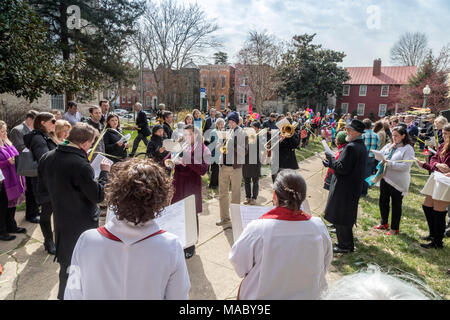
point(401, 252)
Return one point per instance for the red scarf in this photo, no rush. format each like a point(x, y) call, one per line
point(104, 232)
point(286, 214)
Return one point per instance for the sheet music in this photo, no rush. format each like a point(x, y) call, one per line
point(171, 145)
point(178, 218)
point(327, 148)
point(250, 213)
point(96, 164)
point(173, 220)
point(378, 155)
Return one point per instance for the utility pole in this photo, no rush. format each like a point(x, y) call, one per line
point(141, 78)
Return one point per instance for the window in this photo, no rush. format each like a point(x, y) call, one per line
point(243, 99)
point(223, 82)
point(344, 108)
point(129, 98)
point(382, 110)
point(243, 82)
point(205, 80)
point(123, 99)
point(222, 101)
point(362, 91)
point(147, 101)
point(213, 98)
point(346, 91)
point(213, 83)
point(57, 102)
point(384, 91)
point(360, 111)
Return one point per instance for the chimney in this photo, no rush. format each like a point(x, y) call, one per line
point(377, 67)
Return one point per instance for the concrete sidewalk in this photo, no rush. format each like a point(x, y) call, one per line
point(29, 273)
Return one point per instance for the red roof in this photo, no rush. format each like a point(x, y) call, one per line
point(389, 75)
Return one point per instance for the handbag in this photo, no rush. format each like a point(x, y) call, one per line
point(26, 164)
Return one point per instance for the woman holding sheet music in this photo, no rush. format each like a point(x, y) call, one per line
point(284, 254)
point(394, 173)
point(115, 145)
point(189, 168)
point(437, 193)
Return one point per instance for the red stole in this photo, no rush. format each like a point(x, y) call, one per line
point(104, 232)
point(282, 213)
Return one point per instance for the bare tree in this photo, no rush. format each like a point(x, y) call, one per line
point(260, 57)
point(173, 35)
point(410, 49)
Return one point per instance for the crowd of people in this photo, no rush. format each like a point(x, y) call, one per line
point(56, 151)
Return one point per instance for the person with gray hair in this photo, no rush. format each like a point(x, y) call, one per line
point(373, 284)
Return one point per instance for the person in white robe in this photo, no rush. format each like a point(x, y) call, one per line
point(131, 258)
point(286, 253)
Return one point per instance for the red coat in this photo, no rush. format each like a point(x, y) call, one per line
point(436, 159)
point(187, 179)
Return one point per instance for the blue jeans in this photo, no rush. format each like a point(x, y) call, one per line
point(370, 170)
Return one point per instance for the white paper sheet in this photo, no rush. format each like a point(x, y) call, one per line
point(242, 215)
point(378, 155)
point(96, 164)
point(178, 218)
point(325, 145)
point(171, 145)
point(439, 177)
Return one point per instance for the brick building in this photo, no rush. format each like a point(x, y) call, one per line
point(373, 90)
point(218, 81)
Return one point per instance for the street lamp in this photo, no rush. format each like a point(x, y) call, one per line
point(426, 93)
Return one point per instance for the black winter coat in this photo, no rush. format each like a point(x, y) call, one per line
point(287, 152)
point(110, 138)
point(142, 123)
point(156, 143)
point(346, 184)
point(167, 131)
point(39, 144)
point(74, 194)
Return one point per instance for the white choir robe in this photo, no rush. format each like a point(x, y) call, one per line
point(282, 260)
point(151, 269)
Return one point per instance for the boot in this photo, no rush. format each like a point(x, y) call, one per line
point(429, 216)
point(438, 227)
point(49, 245)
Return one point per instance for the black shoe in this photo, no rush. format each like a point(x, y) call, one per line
point(50, 247)
point(33, 220)
point(341, 250)
point(18, 230)
point(189, 252)
point(7, 237)
point(431, 245)
point(427, 238)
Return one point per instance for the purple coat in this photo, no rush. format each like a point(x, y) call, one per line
point(187, 180)
point(14, 185)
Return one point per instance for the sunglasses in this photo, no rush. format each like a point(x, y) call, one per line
point(53, 121)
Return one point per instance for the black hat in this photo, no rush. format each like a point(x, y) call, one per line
point(233, 116)
point(357, 125)
point(156, 128)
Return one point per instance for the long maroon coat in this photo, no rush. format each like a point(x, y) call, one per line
point(187, 179)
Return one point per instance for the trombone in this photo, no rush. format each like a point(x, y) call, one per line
point(287, 130)
point(252, 135)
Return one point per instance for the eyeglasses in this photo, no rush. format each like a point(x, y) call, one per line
point(53, 121)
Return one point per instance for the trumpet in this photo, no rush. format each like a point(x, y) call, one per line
point(252, 135)
point(170, 163)
point(224, 148)
point(287, 130)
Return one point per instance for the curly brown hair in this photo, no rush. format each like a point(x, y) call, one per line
point(138, 190)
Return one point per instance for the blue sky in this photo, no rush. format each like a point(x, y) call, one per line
point(342, 25)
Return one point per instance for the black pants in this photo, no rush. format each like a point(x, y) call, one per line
point(45, 221)
point(7, 221)
point(63, 276)
point(138, 139)
point(388, 192)
point(249, 189)
point(214, 180)
point(32, 208)
point(345, 237)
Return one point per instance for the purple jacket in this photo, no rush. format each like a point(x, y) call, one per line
point(14, 185)
point(187, 180)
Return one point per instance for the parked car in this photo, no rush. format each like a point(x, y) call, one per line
point(120, 112)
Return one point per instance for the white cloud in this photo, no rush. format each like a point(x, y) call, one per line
point(339, 24)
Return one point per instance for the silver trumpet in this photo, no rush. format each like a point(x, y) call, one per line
point(171, 163)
